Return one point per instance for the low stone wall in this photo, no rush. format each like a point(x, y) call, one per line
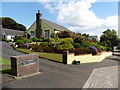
point(87, 58)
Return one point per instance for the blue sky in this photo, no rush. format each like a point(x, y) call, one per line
point(24, 13)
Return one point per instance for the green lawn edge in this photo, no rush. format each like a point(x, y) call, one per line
point(51, 56)
point(4, 61)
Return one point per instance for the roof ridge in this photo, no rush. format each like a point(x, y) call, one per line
point(59, 26)
point(12, 29)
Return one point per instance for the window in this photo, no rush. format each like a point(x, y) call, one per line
point(47, 33)
point(32, 34)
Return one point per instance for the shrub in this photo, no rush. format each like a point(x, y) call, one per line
point(97, 46)
point(26, 41)
point(69, 39)
point(46, 40)
point(39, 40)
point(16, 38)
point(51, 40)
point(78, 40)
point(25, 44)
point(44, 44)
point(82, 41)
point(34, 39)
point(53, 35)
point(49, 49)
point(76, 45)
point(118, 47)
point(19, 42)
point(78, 51)
point(34, 47)
point(65, 45)
point(39, 49)
point(108, 49)
point(63, 34)
point(20, 45)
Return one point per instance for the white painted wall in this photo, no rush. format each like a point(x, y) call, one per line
point(9, 37)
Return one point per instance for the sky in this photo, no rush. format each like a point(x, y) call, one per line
point(81, 16)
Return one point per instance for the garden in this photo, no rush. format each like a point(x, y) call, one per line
point(77, 44)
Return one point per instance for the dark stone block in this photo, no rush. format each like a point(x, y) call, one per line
point(24, 65)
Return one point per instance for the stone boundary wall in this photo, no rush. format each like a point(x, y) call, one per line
point(86, 58)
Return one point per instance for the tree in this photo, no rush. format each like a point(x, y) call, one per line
point(11, 24)
point(109, 38)
point(86, 35)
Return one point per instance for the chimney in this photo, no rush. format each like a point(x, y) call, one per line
point(38, 24)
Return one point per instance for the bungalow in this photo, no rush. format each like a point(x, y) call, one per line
point(9, 34)
point(44, 28)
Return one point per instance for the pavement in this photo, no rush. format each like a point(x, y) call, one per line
point(58, 75)
point(106, 77)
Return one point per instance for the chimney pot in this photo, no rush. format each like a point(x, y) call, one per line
point(38, 11)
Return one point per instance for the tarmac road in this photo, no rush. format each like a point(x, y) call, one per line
point(56, 75)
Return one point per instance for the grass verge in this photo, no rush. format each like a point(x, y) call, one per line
point(4, 62)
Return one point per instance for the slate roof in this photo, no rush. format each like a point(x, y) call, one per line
point(13, 32)
point(56, 26)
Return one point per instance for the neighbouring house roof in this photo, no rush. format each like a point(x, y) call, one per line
point(13, 32)
point(56, 26)
point(94, 37)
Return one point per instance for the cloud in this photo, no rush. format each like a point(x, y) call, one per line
point(80, 18)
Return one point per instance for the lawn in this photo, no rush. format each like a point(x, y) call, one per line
point(3, 62)
point(51, 56)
